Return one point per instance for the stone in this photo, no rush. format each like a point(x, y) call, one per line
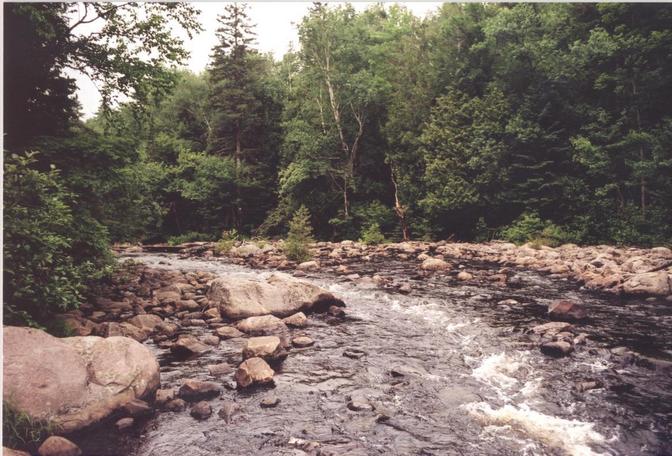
point(211, 340)
point(228, 332)
point(187, 304)
point(111, 329)
point(188, 345)
point(308, 266)
point(58, 446)
point(167, 329)
point(74, 381)
point(556, 349)
point(302, 341)
point(434, 264)
point(228, 410)
point(136, 408)
point(219, 369)
point(266, 347)
point(176, 405)
point(253, 371)
point(354, 353)
point(280, 295)
point(260, 326)
point(212, 313)
point(359, 404)
point(77, 325)
point(146, 322)
point(551, 328)
point(10, 452)
point(649, 283)
point(270, 401)
point(163, 396)
point(566, 310)
point(245, 251)
point(336, 311)
point(297, 320)
point(194, 390)
point(124, 423)
point(464, 276)
point(201, 410)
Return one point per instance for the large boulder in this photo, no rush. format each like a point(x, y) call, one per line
point(75, 381)
point(649, 283)
point(280, 295)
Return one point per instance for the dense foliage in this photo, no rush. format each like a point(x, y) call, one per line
point(529, 122)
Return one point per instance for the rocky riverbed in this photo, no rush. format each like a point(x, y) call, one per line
point(440, 349)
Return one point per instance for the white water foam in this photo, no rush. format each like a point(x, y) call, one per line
point(571, 436)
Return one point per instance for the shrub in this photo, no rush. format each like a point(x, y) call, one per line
point(529, 227)
point(191, 236)
point(299, 237)
point(19, 430)
point(228, 240)
point(372, 235)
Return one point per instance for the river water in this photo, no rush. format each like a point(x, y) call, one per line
point(448, 370)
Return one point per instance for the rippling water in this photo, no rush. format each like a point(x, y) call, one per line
point(447, 369)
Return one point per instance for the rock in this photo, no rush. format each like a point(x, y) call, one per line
point(167, 329)
point(194, 390)
point(176, 405)
point(649, 283)
point(124, 423)
point(260, 326)
point(110, 329)
point(336, 311)
point(552, 328)
point(136, 408)
point(266, 347)
point(10, 452)
point(556, 349)
point(77, 325)
point(163, 396)
point(212, 313)
point(434, 264)
point(220, 369)
point(146, 322)
point(188, 304)
point(566, 310)
point(508, 302)
point(464, 276)
point(280, 295)
point(245, 251)
point(58, 446)
point(308, 266)
point(74, 381)
point(227, 411)
point(405, 288)
point(586, 386)
point(302, 341)
point(211, 340)
point(359, 404)
point(253, 371)
point(269, 401)
point(188, 345)
point(201, 410)
point(354, 353)
point(228, 332)
point(297, 320)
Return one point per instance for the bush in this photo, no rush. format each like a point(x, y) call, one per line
point(529, 227)
point(299, 237)
point(228, 240)
point(19, 430)
point(44, 271)
point(191, 236)
point(372, 235)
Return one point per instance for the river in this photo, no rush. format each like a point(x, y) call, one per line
point(448, 370)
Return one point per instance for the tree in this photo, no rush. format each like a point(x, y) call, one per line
point(299, 237)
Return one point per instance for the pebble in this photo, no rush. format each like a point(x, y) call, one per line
point(302, 341)
point(270, 401)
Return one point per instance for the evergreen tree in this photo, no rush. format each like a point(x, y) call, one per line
point(300, 236)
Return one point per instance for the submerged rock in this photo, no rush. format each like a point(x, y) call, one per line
point(74, 382)
point(280, 295)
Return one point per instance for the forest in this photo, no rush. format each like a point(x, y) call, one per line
point(525, 122)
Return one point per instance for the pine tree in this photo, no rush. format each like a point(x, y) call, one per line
point(300, 236)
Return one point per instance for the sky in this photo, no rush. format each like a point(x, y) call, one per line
point(275, 28)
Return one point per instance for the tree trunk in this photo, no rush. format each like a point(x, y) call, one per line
point(399, 209)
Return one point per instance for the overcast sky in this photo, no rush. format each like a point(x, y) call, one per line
point(275, 28)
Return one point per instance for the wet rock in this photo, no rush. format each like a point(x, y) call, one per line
point(354, 353)
point(649, 283)
point(196, 322)
point(189, 345)
point(228, 410)
point(163, 396)
point(211, 340)
point(228, 332)
point(201, 410)
point(434, 264)
point(146, 322)
point(187, 304)
point(194, 390)
point(253, 371)
point(464, 276)
point(589, 385)
point(266, 347)
point(566, 310)
point(58, 446)
point(176, 405)
point(74, 381)
point(167, 329)
point(336, 311)
point(359, 404)
point(124, 424)
point(219, 369)
point(280, 295)
point(212, 313)
point(270, 401)
point(552, 328)
point(297, 320)
point(556, 349)
point(508, 302)
point(405, 288)
point(302, 341)
point(260, 326)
